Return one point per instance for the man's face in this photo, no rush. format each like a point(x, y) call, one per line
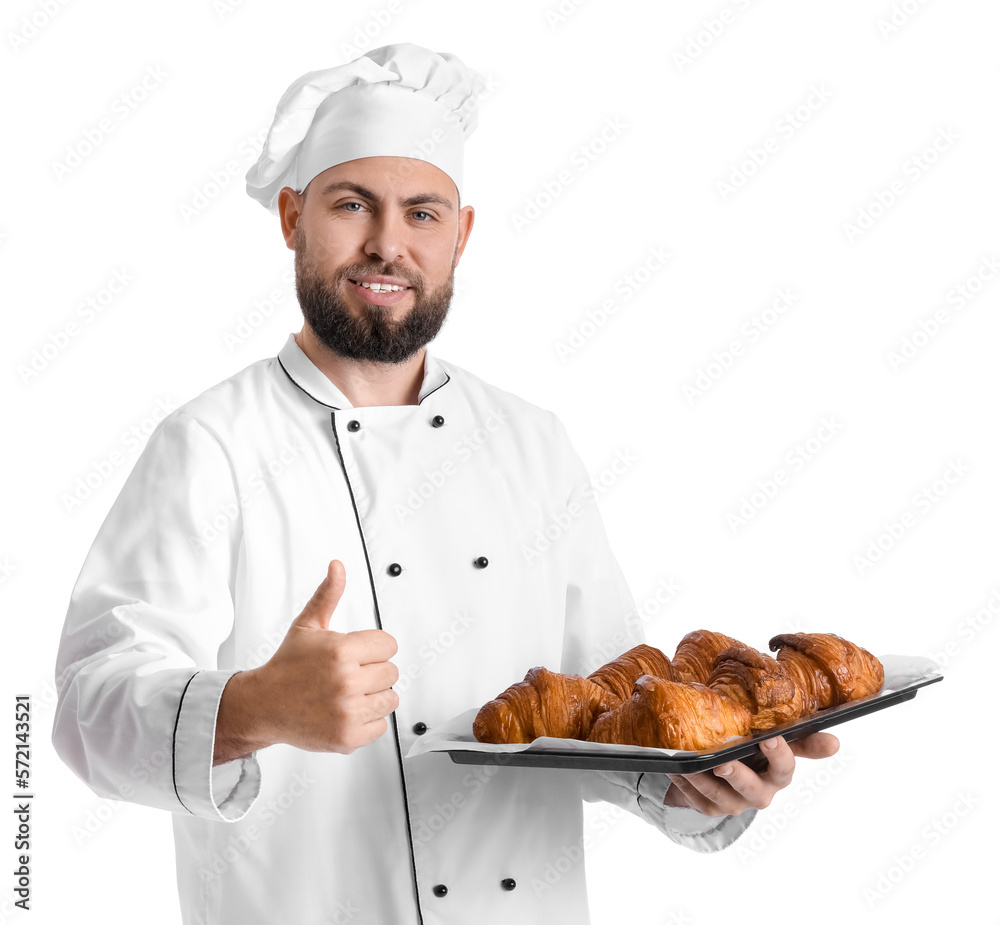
point(371, 217)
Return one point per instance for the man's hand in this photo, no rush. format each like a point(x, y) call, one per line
point(321, 691)
point(730, 789)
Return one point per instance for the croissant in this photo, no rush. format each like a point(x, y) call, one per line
point(671, 714)
point(619, 676)
point(758, 683)
point(827, 669)
point(696, 653)
point(545, 703)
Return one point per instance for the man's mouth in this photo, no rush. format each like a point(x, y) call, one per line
point(379, 287)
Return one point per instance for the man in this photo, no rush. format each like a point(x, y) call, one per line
point(203, 671)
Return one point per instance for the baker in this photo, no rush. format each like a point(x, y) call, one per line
point(282, 599)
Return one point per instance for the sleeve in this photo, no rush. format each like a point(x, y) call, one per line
point(138, 686)
point(602, 621)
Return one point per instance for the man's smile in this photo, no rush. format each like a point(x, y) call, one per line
point(376, 292)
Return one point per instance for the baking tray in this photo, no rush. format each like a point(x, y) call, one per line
point(909, 675)
point(692, 762)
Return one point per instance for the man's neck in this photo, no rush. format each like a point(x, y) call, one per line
point(365, 383)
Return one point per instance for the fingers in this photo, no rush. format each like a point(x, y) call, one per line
point(378, 706)
point(375, 677)
point(732, 788)
point(818, 745)
point(780, 762)
point(369, 646)
point(706, 793)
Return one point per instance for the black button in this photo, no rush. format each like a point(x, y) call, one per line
point(437, 420)
point(394, 569)
point(508, 883)
point(481, 562)
point(354, 425)
point(420, 728)
point(440, 890)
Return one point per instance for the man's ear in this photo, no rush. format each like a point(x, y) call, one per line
point(466, 218)
point(290, 205)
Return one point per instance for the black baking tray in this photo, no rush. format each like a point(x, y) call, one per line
point(746, 749)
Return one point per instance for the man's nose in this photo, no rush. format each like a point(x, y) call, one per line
point(387, 237)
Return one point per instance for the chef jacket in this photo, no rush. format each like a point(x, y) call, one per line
point(469, 532)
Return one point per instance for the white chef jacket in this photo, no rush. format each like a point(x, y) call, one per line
point(468, 530)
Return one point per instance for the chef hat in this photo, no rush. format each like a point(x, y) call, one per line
point(397, 100)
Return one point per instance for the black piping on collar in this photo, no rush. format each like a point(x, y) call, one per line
point(313, 397)
point(447, 379)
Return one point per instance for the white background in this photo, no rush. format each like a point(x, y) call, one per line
point(160, 198)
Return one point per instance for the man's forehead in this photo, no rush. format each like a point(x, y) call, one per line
point(401, 178)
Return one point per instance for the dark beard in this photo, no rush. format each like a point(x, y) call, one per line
point(374, 336)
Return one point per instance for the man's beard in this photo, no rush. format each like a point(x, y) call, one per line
point(373, 336)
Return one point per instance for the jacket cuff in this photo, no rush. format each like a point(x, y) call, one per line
point(224, 793)
point(684, 825)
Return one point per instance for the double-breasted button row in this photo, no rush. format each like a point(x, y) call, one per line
point(508, 883)
point(355, 425)
point(395, 569)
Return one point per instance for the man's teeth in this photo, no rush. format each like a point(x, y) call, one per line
point(383, 287)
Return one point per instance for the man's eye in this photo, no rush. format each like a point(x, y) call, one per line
point(428, 214)
point(346, 204)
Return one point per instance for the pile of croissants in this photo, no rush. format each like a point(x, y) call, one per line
point(715, 687)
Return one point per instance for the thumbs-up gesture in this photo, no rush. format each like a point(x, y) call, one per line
point(322, 690)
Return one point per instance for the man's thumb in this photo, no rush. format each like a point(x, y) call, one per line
point(319, 608)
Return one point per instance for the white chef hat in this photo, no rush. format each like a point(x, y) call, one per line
point(398, 100)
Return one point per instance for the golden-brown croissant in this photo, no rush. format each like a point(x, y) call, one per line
point(827, 669)
point(758, 683)
point(545, 703)
point(619, 676)
point(696, 654)
point(672, 714)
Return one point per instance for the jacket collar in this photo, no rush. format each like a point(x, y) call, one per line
point(315, 383)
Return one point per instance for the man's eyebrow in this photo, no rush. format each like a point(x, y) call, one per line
point(418, 200)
